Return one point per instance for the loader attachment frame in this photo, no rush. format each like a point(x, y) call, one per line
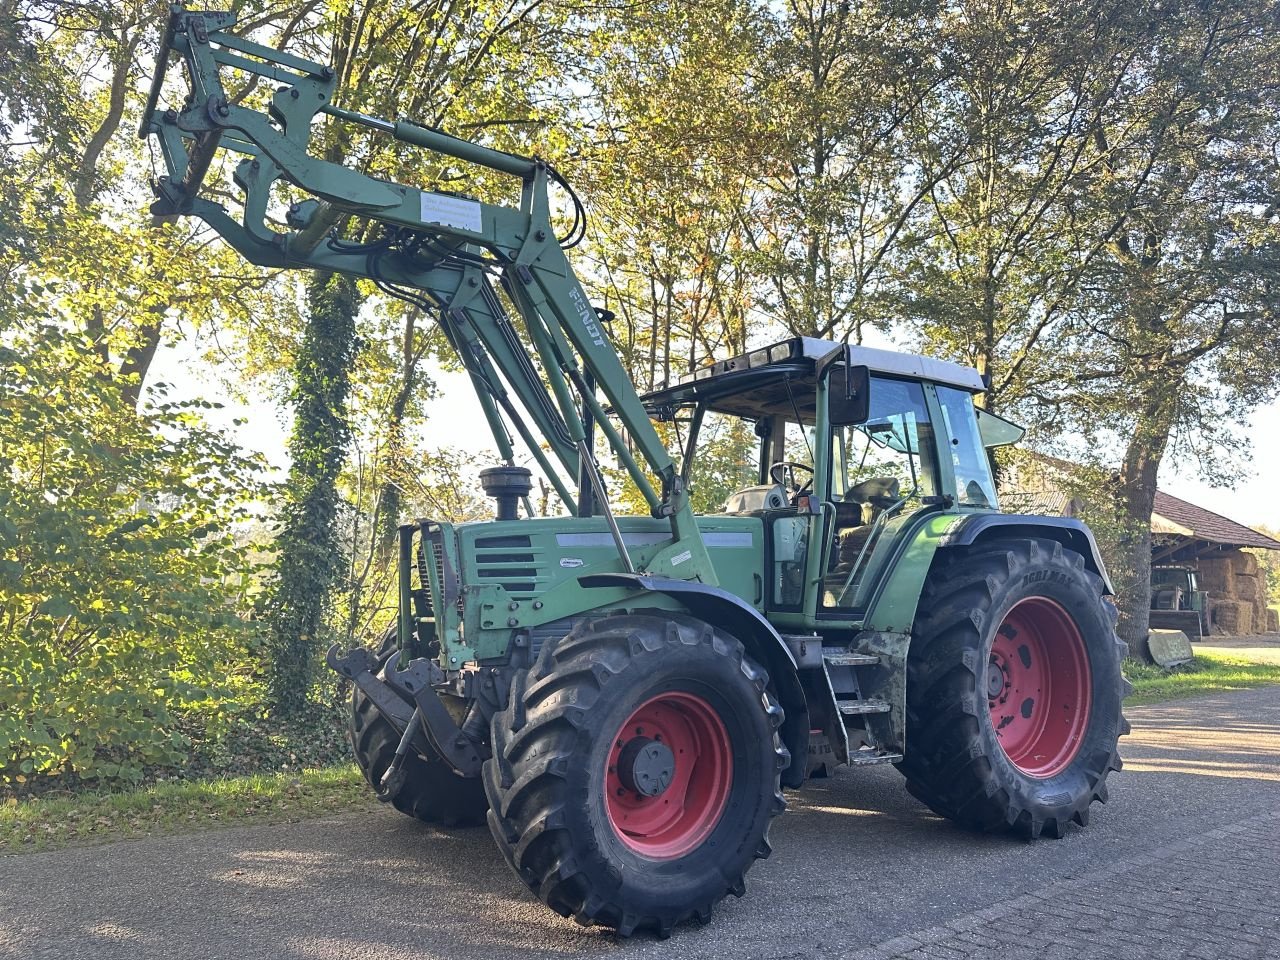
point(439, 250)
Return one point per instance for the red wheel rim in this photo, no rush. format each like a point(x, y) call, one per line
point(690, 765)
point(1039, 687)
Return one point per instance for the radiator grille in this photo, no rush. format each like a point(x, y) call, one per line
point(445, 575)
point(423, 589)
point(509, 562)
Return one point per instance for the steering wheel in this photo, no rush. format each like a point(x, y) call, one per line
point(789, 468)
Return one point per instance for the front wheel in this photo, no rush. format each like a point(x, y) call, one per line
point(1014, 689)
point(635, 771)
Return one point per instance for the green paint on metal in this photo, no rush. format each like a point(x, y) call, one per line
point(522, 574)
point(518, 245)
point(893, 608)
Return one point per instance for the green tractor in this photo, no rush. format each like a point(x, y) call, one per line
point(623, 699)
point(1177, 602)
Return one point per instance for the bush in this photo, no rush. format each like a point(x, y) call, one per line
point(123, 575)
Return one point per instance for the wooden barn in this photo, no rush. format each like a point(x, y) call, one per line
point(1184, 534)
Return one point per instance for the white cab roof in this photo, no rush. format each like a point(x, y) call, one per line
point(899, 364)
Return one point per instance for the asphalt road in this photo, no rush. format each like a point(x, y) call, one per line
point(1184, 861)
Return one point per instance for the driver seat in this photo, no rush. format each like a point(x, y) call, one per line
point(868, 498)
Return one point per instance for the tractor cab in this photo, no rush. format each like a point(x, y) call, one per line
point(851, 449)
point(1177, 602)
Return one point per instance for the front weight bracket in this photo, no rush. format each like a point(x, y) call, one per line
point(458, 750)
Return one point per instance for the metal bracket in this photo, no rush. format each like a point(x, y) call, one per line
point(458, 750)
point(396, 689)
point(359, 667)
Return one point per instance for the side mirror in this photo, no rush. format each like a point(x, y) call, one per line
point(850, 394)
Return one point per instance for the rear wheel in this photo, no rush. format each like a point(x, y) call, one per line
point(635, 771)
point(431, 791)
point(1014, 689)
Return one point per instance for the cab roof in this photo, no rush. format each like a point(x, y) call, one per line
point(778, 380)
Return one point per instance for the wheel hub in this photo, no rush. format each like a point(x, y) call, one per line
point(996, 681)
point(669, 774)
point(646, 766)
point(1038, 687)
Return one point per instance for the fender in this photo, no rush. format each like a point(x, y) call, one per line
point(757, 634)
point(1068, 531)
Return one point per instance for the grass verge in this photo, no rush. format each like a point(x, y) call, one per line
point(1207, 673)
point(51, 822)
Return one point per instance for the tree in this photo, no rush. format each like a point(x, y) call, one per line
point(124, 579)
point(309, 560)
point(463, 60)
point(662, 169)
point(838, 105)
point(995, 265)
point(1174, 334)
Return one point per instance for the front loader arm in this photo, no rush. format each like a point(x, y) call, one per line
point(436, 249)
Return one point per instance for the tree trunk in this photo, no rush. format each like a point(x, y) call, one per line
point(308, 558)
point(1137, 497)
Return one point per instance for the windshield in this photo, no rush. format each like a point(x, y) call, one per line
point(891, 455)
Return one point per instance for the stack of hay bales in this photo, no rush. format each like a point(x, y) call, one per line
point(1237, 595)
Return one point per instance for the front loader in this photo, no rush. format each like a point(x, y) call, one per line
point(624, 698)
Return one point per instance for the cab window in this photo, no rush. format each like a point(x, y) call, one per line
point(881, 469)
point(969, 461)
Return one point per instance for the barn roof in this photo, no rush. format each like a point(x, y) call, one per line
point(1175, 516)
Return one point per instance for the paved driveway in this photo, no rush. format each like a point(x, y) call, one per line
point(1184, 861)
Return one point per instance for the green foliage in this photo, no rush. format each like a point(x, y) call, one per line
point(122, 575)
point(309, 560)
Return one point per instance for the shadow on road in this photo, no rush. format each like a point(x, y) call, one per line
point(856, 861)
point(1203, 738)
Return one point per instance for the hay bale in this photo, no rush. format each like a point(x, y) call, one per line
point(1247, 587)
point(1217, 577)
point(1235, 617)
point(1244, 563)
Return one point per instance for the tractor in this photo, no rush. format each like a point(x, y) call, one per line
point(624, 699)
point(1177, 602)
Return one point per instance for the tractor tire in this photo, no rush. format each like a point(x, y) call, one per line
point(1014, 689)
point(593, 801)
point(431, 791)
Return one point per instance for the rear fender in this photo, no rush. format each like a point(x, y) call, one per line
point(762, 641)
point(1068, 531)
point(893, 605)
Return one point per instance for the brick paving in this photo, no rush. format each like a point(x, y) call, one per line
point(1215, 896)
point(1184, 862)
